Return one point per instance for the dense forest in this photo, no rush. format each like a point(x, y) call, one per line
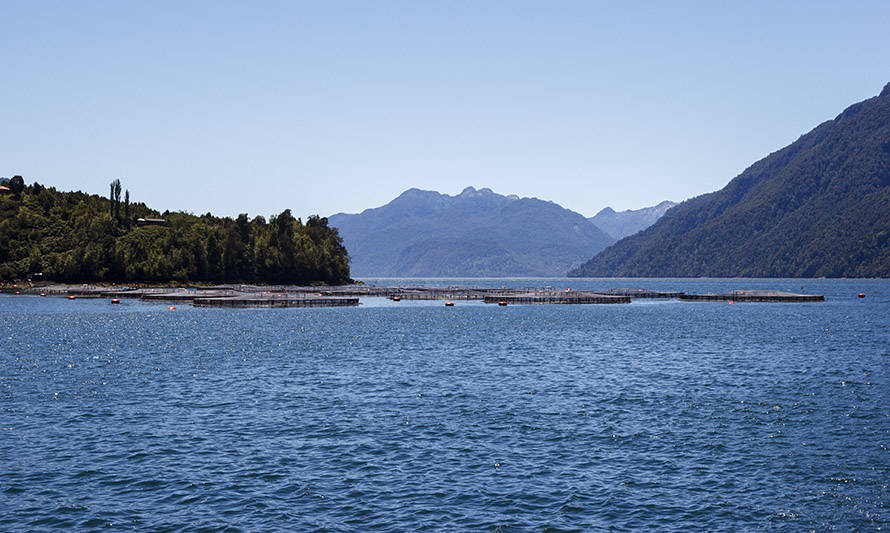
point(77, 237)
point(818, 207)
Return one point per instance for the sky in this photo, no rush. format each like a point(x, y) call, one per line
point(334, 106)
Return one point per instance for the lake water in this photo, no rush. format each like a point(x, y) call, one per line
point(654, 415)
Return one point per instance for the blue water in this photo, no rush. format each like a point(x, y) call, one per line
point(653, 415)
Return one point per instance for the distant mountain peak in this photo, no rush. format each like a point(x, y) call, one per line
point(886, 91)
point(475, 233)
point(630, 221)
point(415, 192)
point(472, 192)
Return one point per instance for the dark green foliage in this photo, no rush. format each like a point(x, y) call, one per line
point(16, 185)
point(115, 197)
point(819, 207)
point(76, 237)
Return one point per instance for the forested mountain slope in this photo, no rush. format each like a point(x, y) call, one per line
point(818, 207)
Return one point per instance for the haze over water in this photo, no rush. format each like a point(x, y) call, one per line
point(657, 414)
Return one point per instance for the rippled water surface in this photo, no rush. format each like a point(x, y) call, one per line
point(653, 415)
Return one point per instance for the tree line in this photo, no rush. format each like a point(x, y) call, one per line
point(75, 237)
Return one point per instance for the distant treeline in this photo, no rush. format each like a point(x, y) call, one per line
point(77, 237)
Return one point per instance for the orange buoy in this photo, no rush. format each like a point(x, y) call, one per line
point(171, 307)
point(72, 297)
point(449, 304)
point(730, 302)
point(861, 295)
point(18, 292)
point(397, 298)
point(115, 301)
point(502, 303)
point(42, 294)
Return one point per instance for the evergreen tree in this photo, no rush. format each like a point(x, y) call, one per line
point(16, 185)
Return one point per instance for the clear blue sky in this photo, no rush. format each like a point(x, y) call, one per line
point(337, 106)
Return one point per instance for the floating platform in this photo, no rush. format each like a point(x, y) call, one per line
point(754, 296)
point(131, 293)
point(186, 295)
point(537, 297)
point(274, 300)
point(441, 294)
point(642, 293)
point(50, 290)
point(87, 292)
point(123, 292)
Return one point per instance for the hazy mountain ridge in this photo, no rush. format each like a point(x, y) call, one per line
point(619, 225)
point(475, 233)
point(818, 207)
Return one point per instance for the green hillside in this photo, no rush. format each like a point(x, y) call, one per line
point(77, 237)
point(819, 207)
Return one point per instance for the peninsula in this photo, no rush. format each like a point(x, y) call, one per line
point(73, 237)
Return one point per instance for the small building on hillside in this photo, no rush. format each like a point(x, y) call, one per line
point(151, 222)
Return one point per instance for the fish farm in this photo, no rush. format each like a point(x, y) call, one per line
point(246, 296)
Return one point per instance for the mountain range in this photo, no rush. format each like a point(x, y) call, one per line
point(475, 233)
point(620, 224)
point(818, 207)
